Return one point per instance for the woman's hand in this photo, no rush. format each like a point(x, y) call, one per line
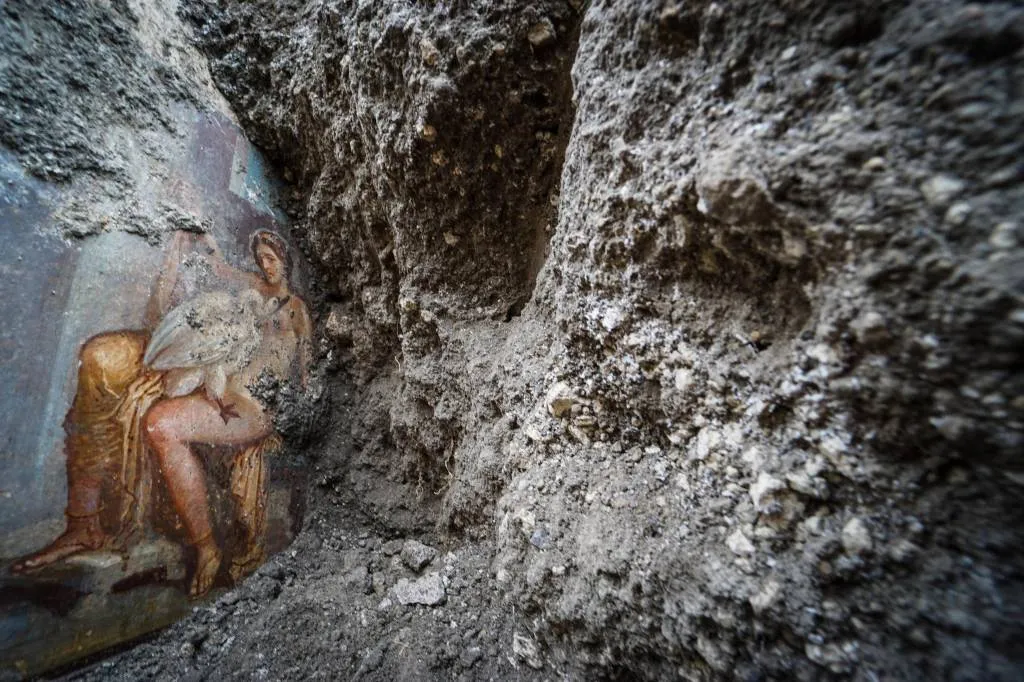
point(207, 240)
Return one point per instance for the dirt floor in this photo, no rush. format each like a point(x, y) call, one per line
point(686, 336)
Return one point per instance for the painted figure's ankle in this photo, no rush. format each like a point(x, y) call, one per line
point(86, 528)
point(205, 542)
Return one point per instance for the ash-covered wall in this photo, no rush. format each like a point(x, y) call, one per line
point(762, 411)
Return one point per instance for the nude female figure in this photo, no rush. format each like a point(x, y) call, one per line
point(173, 425)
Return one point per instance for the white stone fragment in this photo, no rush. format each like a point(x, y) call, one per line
point(856, 537)
point(939, 190)
point(1004, 236)
point(763, 489)
point(428, 590)
point(739, 544)
point(767, 596)
point(560, 399)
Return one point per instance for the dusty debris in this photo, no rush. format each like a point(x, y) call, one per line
point(525, 648)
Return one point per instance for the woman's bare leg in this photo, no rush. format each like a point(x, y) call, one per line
point(171, 425)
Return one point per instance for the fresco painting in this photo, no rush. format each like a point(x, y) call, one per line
point(142, 470)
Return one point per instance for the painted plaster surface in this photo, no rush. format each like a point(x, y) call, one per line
point(198, 232)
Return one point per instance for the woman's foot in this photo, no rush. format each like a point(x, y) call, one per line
point(83, 534)
point(207, 564)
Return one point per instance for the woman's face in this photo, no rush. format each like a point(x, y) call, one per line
point(270, 263)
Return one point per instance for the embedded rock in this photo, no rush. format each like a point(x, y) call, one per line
point(428, 591)
point(417, 555)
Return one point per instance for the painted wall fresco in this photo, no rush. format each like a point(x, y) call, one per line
point(139, 470)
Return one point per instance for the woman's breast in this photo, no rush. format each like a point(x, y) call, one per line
point(275, 356)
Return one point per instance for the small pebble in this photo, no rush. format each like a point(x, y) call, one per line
point(874, 164)
point(958, 214)
point(1004, 236)
point(856, 537)
point(941, 189)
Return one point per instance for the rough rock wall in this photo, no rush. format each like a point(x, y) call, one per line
point(788, 275)
point(761, 414)
point(53, 100)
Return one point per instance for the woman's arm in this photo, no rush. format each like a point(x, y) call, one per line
point(220, 267)
point(163, 287)
point(304, 332)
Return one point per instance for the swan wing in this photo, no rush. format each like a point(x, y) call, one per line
point(199, 332)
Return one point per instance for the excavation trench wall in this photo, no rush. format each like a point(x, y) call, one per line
point(761, 409)
point(692, 329)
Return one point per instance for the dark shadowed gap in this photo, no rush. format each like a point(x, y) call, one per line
point(546, 220)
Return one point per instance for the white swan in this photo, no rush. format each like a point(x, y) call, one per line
point(206, 340)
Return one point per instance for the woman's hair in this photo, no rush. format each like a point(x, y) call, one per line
point(272, 240)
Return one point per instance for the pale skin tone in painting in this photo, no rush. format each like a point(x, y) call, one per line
point(174, 424)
